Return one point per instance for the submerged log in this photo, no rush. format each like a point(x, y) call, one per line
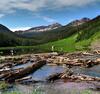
point(12, 76)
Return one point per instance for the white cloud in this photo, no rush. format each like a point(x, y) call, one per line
point(48, 19)
point(45, 18)
point(67, 3)
point(19, 28)
point(1, 15)
point(10, 6)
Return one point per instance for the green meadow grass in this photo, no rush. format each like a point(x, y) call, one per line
point(38, 92)
point(65, 45)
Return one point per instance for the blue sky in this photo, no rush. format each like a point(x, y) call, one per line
point(23, 14)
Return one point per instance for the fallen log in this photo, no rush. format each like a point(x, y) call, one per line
point(9, 65)
point(12, 76)
point(54, 77)
point(73, 77)
point(23, 79)
point(57, 76)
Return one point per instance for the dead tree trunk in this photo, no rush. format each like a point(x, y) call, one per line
point(54, 77)
point(12, 76)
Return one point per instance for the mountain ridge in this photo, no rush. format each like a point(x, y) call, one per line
point(4, 28)
point(79, 21)
point(40, 28)
point(62, 32)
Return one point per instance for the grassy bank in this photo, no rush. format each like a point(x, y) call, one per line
point(68, 45)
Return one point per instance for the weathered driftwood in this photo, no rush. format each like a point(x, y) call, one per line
point(57, 76)
point(54, 77)
point(23, 79)
point(12, 76)
point(60, 60)
point(9, 65)
point(80, 77)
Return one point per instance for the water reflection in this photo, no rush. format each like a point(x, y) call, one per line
point(94, 71)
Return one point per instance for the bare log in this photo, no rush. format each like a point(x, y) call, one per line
point(23, 79)
point(80, 77)
point(12, 76)
point(54, 77)
point(9, 65)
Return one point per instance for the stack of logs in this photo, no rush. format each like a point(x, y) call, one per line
point(71, 77)
point(11, 76)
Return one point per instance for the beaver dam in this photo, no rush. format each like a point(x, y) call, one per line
point(51, 73)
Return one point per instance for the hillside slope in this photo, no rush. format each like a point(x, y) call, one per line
point(9, 38)
point(82, 40)
point(57, 33)
point(70, 44)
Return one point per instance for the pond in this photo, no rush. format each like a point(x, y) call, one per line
point(58, 87)
point(47, 70)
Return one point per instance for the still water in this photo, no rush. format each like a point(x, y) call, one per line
point(58, 87)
